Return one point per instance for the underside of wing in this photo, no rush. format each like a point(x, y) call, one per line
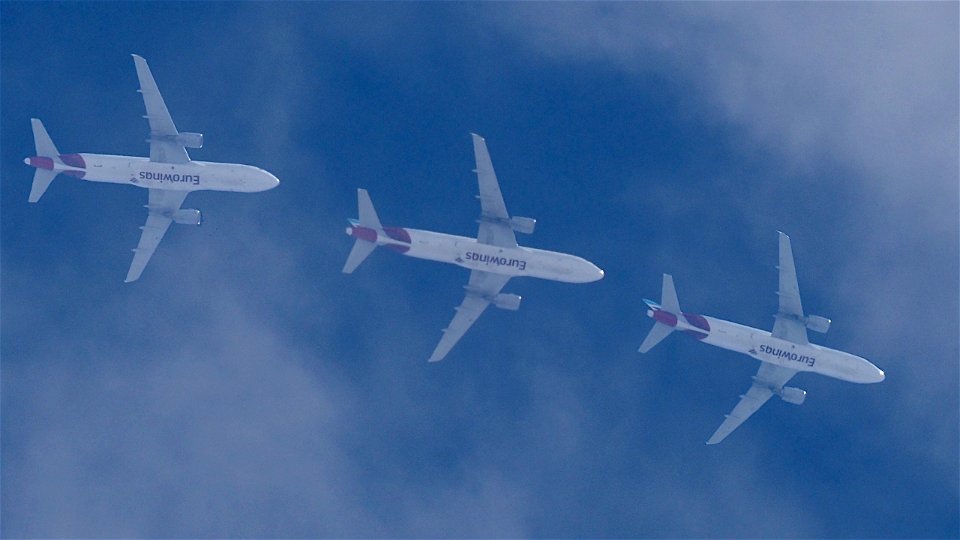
point(481, 290)
point(768, 381)
point(790, 329)
point(789, 324)
point(494, 220)
point(496, 234)
point(160, 209)
point(164, 147)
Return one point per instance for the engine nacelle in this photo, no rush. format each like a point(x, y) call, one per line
point(793, 395)
point(818, 323)
point(190, 140)
point(523, 225)
point(507, 301)
point(188, 216)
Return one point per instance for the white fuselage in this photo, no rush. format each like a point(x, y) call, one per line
point(140, 171)
point(468, 253)
point(763, 346)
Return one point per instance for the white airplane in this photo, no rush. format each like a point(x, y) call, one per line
point(169, 174)
point(782, 353)
point(492, 258)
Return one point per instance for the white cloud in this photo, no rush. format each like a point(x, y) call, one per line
point(857, 104)
point(872, 86)
point(217, 388)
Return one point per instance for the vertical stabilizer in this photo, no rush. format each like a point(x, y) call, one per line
point(47, 155)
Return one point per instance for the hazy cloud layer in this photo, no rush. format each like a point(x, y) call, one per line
point(858, 95)
point(244, 387)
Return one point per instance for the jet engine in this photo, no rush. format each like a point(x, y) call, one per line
point(188, 216)
point(507, 301)
point(793, 395)
point(817, 323)
point(522, 224)
point(190, 140)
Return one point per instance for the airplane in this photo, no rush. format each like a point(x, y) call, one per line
point(493, 257)
point(168, 174)
point(782, 353)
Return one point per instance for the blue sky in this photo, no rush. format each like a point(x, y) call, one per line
point(245, 387)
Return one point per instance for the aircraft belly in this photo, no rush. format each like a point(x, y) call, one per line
point(731, 343)
point(487, 258)
point(786, 354)
point(422, 251)
point(840, 366)
point(420, 244)
point(140, 172)
point(109, 169)
point(726, 335)
point(192, 176)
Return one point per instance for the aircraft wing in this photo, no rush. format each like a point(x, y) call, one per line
point(494, 219)
point(789, 323)
point(160, 209)
point(481, 289)
point(768, 381)
point(164, 147)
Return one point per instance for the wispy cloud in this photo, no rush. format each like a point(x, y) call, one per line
point(246, 388)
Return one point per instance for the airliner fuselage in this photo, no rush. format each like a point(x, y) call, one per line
point(469, 253)
point(761, 345)
point(141, 172)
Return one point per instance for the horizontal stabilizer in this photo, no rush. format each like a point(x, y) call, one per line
point(41, 181)
point(42, 141)
point(361, 250)
point(668, 296)
point(368, 214)
point(656, 335)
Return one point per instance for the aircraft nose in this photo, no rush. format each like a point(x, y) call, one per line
point(590, 272)
point(270, 181)
point(872, 373)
